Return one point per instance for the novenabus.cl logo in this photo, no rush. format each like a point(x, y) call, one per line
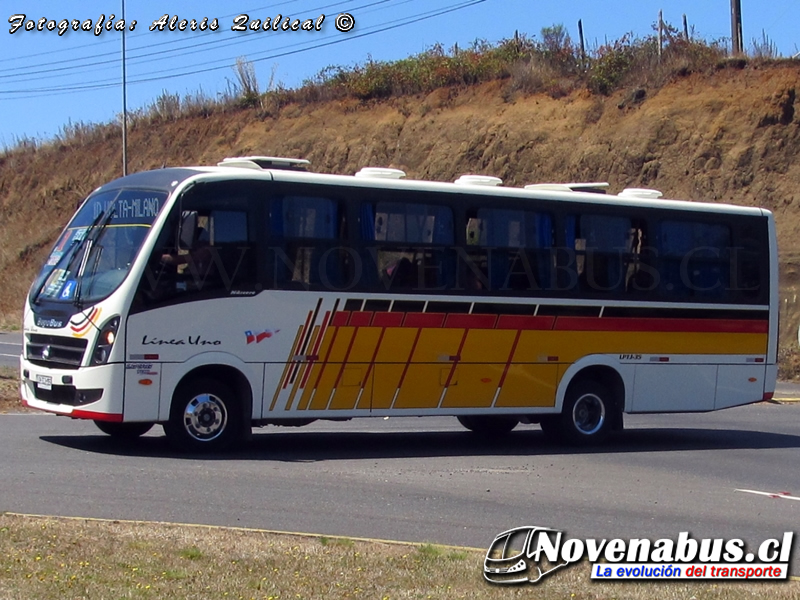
point(515, 556)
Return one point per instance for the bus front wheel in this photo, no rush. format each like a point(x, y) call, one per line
point(587, 416)
point(205, 415)
point(124, 431)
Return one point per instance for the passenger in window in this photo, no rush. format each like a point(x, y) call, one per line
point(199, 255)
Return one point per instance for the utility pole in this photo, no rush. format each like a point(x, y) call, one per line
point(124, 102)
point(737, 46)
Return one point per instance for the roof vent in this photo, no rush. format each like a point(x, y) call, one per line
point(381, 173)
point(265, 162)
point(640, 193)
point(478, 180)
point(597, 187)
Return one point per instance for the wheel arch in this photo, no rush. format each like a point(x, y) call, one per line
point(616, 376)
point(221, 367)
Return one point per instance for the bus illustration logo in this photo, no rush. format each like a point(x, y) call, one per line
point(515, 555)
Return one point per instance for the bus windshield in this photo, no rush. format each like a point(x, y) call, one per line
point(95, 251)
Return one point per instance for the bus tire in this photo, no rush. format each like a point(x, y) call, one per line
point(588, 414)
point(124, 431)
point(489, 425)
point(205, 416)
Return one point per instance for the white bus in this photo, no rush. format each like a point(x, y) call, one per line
point(214, 299)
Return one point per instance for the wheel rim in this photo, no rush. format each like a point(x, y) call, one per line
point(589, 414)
point(205, 417)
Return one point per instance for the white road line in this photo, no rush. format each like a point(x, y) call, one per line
point(11, 343)
point(10, 355)
point(779, 495)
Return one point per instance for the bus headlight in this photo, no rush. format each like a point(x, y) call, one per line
point(105, 341)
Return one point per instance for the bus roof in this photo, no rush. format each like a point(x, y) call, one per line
point(380, 178)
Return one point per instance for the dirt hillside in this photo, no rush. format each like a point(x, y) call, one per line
point(731, 136)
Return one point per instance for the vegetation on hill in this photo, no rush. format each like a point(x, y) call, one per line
point(554, 65)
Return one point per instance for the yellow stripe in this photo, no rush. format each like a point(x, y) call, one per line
point(289, 363)
point(302, 370)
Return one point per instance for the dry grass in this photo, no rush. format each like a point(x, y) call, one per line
point(49, 558)
point(9, 391)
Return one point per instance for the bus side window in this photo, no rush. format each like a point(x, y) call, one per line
point(304, 232)
point(407, 246)
point(746, 269)
point(640, 274)
point(601, 245)
point(512, 250)
point(206, 250)
point(694, 260)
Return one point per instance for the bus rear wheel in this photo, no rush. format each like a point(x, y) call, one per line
point(124, 431)
point(587, 416)
point(205, 416)
point(489, 425)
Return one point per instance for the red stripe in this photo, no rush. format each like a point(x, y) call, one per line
point(470, 321)
point(96, 416)
point(374, 356)
point(426, 320)
point(344, 360)
point(383, 319)
point(340, 318)
point(327, 356)
point(296, 350)
point(524, 322)
point(508, 362)
point(321, 333)
point(361, 318)
point(314, 357)
point(661, 325)
point(408, 362)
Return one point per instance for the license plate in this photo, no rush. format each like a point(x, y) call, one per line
point(45, 382)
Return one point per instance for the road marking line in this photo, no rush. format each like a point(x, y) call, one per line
point(10, 355)
point(781, 495)
point(12, 343)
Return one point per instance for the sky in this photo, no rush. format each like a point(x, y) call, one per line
point(49, 80)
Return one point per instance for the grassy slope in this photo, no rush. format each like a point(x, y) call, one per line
point(50, 558)
point(730, 136)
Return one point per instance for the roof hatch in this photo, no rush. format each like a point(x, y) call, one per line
point(381, 173)
point(644, 193)
point(478, 180)
point(265, 162)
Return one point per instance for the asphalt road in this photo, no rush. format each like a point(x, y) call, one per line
point(10, 348)
point(427, 479)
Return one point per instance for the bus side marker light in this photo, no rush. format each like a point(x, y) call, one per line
point(752, 379)
point(146, 381)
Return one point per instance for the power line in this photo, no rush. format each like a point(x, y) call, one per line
point(104, 84)
point(235, 38)
point(135, 35)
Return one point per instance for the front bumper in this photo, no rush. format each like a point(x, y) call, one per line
point(86, 393)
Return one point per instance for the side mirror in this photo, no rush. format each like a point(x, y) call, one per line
point(188, 230)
